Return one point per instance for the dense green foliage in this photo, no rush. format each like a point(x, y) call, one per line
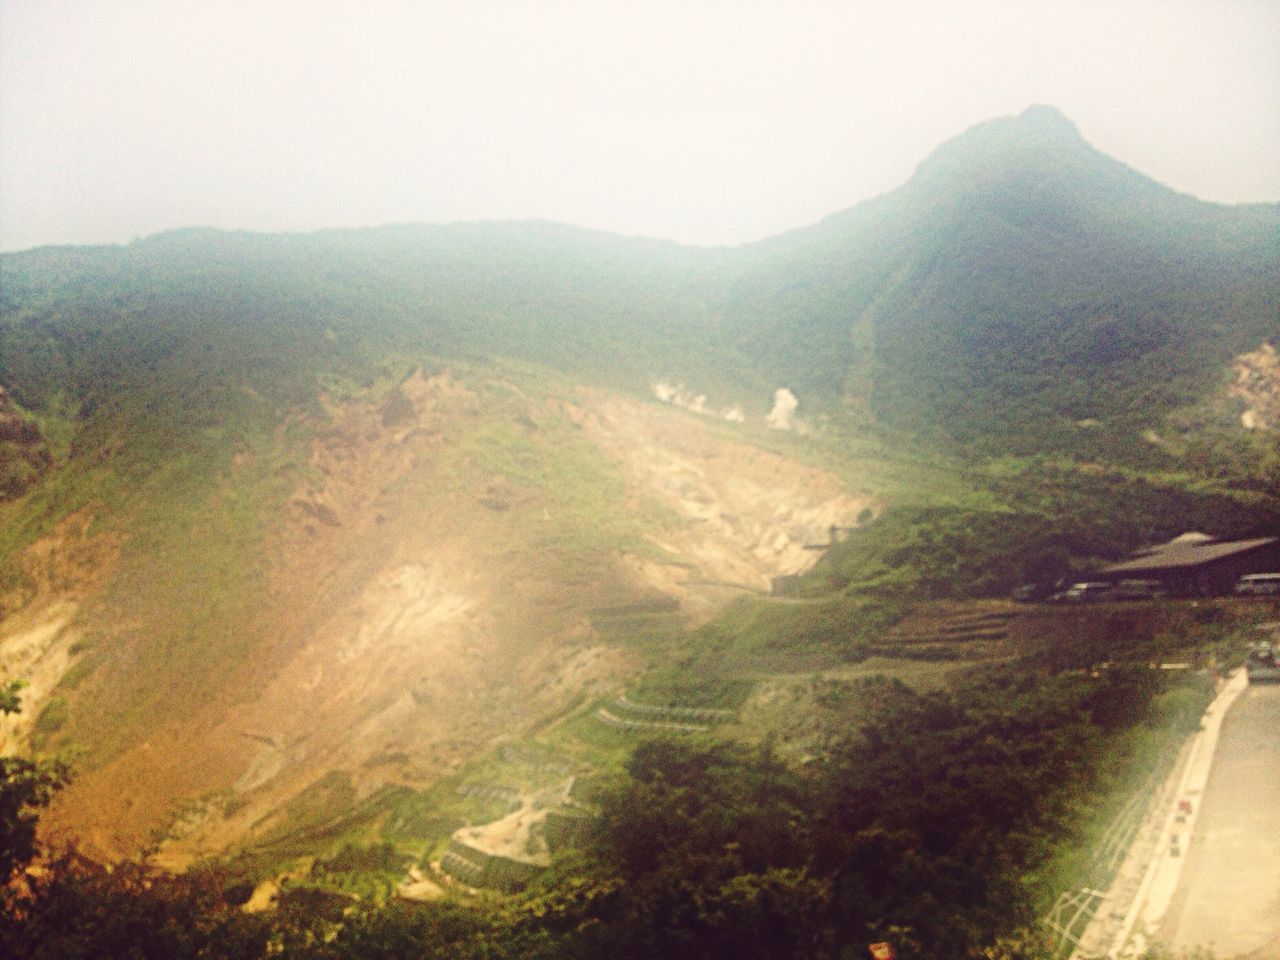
point(920, 828)
point(76, 911)
point(26, 786)
point(1048, 521)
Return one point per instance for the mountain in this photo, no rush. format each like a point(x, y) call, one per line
point(1018, 283)
point(299, 525)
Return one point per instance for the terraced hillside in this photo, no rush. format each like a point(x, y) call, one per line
point(440, 566)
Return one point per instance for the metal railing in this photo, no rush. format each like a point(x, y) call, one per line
point(1069, 918)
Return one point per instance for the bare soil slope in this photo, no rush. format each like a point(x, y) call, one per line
point(429, 586)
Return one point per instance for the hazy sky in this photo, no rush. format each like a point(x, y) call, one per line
point(704, 121)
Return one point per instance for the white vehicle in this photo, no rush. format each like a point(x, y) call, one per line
point(1088, 592)
point(1258, 585)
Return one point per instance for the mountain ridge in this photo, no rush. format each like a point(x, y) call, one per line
point(1059, 223)
point(292, 450)
point(1012, 239)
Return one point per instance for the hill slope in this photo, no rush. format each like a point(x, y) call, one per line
point(378, 591)
point(1018, 283)
point(356, 504)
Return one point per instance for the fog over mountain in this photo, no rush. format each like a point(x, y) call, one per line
point(661, 591)
point(699, 122)
point(1019, 269)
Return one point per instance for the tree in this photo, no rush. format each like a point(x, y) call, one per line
point(26, 786)
point(79, 910)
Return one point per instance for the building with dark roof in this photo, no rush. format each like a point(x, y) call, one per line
point(1197, 565)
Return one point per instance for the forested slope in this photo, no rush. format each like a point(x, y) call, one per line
point(303, 538)
point(1019, 283)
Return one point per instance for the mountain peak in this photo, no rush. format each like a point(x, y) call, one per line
point(1047, 118)
point(1039, 133)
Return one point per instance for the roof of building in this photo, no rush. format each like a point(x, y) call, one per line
point(1191, 537)
point(1175, 555)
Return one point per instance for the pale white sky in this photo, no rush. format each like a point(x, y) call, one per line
point(703, 121)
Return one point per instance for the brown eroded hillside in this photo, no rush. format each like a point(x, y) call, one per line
point(745, 515)
point(1256, 385)
point(429, 588)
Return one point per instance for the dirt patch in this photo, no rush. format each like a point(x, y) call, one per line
point(517, 836)
point(66, 565)
point(1257, 387)
point(422, 602)
point(41, 637)
point(35, 647)
point(744, 515)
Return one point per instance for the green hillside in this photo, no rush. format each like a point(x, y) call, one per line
point(1022, 296)
point(1019, 283)
point(338, 542)
point(277, 309)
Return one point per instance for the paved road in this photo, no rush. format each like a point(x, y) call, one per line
point(1228, 897)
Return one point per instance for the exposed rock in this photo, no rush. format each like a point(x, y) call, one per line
point(743, 515)
point(508, 852)
point(1257, 387)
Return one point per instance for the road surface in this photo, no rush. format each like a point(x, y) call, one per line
point(1228, 896)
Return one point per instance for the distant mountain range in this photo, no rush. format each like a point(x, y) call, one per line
point(1018, 284)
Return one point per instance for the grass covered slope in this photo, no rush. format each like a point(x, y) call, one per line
point(1019, 283)
point(332, 545)
point(1020, 292)
point(276, 308)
